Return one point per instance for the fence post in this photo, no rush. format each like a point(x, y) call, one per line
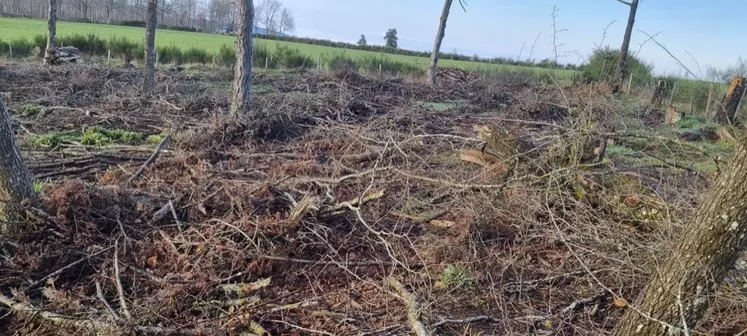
point(630, 83)
point(319, 63)
point(10, 50)
point(379, 69)
point(108, 56)
point(267, 62)
point(708, 103)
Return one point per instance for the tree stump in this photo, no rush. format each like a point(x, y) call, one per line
point(727, 112)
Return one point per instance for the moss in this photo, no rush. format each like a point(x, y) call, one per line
point(30, 110)
point(52, 139)
point(155, 138)
point(97, 136)
point(455, 276)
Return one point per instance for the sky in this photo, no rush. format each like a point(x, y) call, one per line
point(699, 33)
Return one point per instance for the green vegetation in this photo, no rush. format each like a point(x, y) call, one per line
point(93, 136)
point(455, 276)
point(50, 140)
point(97, 136)
point(603, 67)
point(24, 35)
point(155, 138)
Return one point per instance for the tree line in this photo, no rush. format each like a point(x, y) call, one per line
point(192, 15)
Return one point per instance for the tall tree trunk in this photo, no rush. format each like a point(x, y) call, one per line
point(15, 180)
point(709, 246)
point(243, 79)
point(49, 53)
point(433, 69)
point(622, 66)
point(149, 81)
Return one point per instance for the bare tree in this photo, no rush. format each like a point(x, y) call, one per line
point(433, 68)
point(678, 294)
point(287, 22)
point(49, 52)
point(150, 49)
point(15, 180)
point(243, 79)
point(267, 15)
point(622, 66)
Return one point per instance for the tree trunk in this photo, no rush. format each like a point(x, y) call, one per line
point(433, 68)
point(727, 112)
point(622, 66)
point(52, 33)
point(15, 181)
point(715, 237)
point(149, 81)
point(243, 78)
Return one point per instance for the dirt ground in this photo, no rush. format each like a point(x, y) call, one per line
point(346, 205)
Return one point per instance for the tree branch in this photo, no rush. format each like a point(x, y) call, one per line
point(625, 2)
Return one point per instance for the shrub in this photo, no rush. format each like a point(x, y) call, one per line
point(170, 54)
point(291, 58)
point(133, 23)
point(40, 40)
point(602, 66)
point(21, 48)
point(122, 47)
point(194, 55)
point(260, 55)
point(340, 62)
point(90, 44)
point(227, 56)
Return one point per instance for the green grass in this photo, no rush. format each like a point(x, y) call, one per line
point(14, 28)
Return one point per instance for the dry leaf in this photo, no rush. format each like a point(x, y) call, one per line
point(442, 223)
point(620, 302)
point(242, 289)
point(152, 261)
point(632, 200)
point(201, 208)
point(478, 157)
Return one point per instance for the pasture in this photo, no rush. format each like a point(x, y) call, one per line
point(15, 28)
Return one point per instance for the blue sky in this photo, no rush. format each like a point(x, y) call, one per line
point(709, 30)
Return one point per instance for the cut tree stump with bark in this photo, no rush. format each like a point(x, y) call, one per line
point(681, 289)
point(727, 111)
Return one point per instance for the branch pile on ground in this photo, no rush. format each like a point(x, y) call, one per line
point(359, 210)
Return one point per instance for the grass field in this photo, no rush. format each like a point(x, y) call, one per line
point(13, 28)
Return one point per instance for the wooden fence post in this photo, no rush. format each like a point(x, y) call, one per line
point(108, 56)
point(630, 83)
point(710, 100)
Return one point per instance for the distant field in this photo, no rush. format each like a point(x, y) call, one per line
point(13, 28)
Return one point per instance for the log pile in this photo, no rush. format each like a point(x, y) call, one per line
point(63, 55)
point(455, 75)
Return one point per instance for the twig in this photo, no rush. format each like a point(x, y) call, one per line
point(99, 328)
point(108, 307)
point(335, 263)
point(302, 328)
point(42, 280)
point(413, 307)
point(118, 281)
point(462, 321)
point(150, 160)
point(176, 218)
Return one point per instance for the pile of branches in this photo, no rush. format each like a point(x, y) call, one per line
point(396, 223)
